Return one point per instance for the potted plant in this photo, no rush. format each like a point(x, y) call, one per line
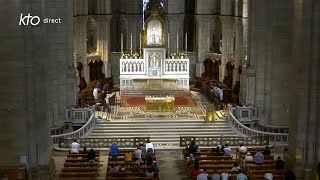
point(182, 55)
point(173, 55)
point(136, 55)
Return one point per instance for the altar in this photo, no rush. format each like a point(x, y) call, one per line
point(160, 104)
point(154, 65)
point(154, 84)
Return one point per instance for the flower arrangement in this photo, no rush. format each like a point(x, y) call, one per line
point(182, 55)
point(136, 55)
point(173, 55)
point(127, 56)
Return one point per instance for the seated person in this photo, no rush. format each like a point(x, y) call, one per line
point(154, 168)
point(242, 149)
point(195, 169)
point(92, 156)
point(75, 147)
point(248, 157)
point(149, 147)
point(137, 154)
point(215, 175)
point(203, 175)
point(268, 176)
point(241, 176)
point(259, 158)
point(267, 151)
point(149, 158)
point(128, 156)
point(136, 166)
point(225, 176)
point(114, 150)
point(149, 173)
point(227, 151)
point(122, 169)
point(236, 167)
point(279, 164)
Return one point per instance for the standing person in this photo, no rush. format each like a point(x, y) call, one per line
point(225, 176)
point(75, 147)
point(149, 147)
point(227, 151)
point(95, 94)
point(92, 156)
point(193, 148)
point(106, 101)
point(114, 150)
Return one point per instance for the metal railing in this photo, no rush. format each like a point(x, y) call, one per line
point(86, 128)
point(273, 138)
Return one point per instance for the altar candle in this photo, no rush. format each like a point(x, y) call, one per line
point(177, 40)
point(131, 42)
point(168, 41)
point(140, 41)
point(186, 41)
point(121, 40)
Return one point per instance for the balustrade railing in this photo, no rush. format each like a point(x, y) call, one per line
point(128, 142)
point(132, 66)
point(230, 140)
point(267, 128)
point(273, 138)
point(174, 66)
point(86, 128)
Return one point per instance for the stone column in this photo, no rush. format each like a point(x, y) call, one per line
point(238, 50)
point(103, 37)
point(303, 155)
point(227, 43)
point(204, 32)
point(80, 43)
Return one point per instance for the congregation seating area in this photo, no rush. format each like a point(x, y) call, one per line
point(128, 170)
point(214, 161)
point(76, 167)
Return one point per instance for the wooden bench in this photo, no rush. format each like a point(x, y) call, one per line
point(14, 172)
point(79, 174)
point(81, 164)
point(77, 178)
point(75, 160)
point(79, 169)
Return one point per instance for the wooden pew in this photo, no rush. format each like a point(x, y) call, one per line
point(14, 172)
point(82, 164)
point(79, 174)
point(79, 169)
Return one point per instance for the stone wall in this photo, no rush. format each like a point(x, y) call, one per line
point(37, 80)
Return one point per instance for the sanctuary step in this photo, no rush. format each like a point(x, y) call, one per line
point(163, 133)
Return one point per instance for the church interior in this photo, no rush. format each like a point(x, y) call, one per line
point(186, 76)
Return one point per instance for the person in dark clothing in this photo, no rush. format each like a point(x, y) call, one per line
point(290, 175)
point(267, 151)
point(279, 164)
point(193, 148)
point(92, 156)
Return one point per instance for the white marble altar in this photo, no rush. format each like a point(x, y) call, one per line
point(137, 74)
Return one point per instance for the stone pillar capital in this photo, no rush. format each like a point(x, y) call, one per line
point(226, 20)
point(102, 18)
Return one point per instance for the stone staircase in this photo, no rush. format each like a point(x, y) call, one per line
point(164, 133)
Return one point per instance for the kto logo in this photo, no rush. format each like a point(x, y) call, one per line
point(26, 20)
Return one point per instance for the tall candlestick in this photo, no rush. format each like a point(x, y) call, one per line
point(186, 41)
point(168, 41)
point(121, 40)
point(140, 41)
point(131, 42)
point(177, 40)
